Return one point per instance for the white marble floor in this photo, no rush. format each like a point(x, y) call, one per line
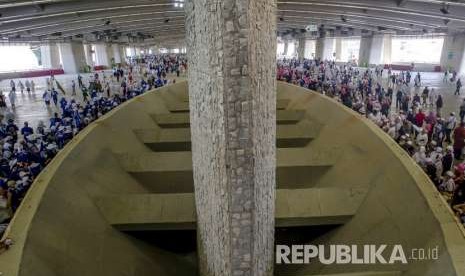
point(31, 107)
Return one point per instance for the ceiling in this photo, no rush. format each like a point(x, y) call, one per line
point(162, 21)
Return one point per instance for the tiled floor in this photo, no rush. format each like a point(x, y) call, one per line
point(31, 107)
point(435, 80)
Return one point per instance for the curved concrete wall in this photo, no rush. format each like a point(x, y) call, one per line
point(402, 206)
point(60, 230)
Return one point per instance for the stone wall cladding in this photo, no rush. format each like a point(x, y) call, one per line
point(232, 57)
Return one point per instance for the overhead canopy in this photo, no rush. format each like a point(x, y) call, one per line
point(157, 21)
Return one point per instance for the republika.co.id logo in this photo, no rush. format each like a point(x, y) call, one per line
point(352, 254)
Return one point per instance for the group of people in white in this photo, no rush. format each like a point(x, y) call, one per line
point(28, 85)
point(399, 103)
point(25, 150)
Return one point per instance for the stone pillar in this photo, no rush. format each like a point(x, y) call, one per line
point(232, 90)
point(338, 49)
point(301, 48)
point(50, 56)
point(137, 51)
point(72, 57)
point(365, 51)
point(102, 55)
point(453, 56)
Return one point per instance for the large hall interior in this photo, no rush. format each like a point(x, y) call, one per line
point(232, 138)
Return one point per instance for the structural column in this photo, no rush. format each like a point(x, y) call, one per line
point(301, 48)
point(387, 52)
point(325, 48)
point(286, 47)
point(232, 91)
point(132, 51)
point(102, 55)
point(72, 57)
point(338, 48)
point(310, 48)
point(377, 50)
point(50, 56)
point(88, 54)
point(123, 53)
point(110, 54)
point(365, 51)
point(319, 49)
point(453, 53)
point(115, 49)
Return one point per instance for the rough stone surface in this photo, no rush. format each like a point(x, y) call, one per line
point(232, 64)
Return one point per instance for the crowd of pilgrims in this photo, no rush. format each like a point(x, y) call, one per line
point(25, 151)
point(407, 111)
point(415, 121)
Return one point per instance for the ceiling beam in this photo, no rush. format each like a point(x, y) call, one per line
point(337, 22)
point(135, 28)
point(376, 7)
point(311, 16)
point(66, 21)
point(401, 3)
point(68, 17)
point(13, 4)
point(160, 21)
point(80, 10)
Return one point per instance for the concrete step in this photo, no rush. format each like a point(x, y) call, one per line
point(172, 120)
point(171, 172)
point(316, 206)
point(183, 107)
point(161, 172)
point(179, 107)
point(142, 212)
point(182, 120)
point(165, 140)
point(179, 139)
point(282, 104)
